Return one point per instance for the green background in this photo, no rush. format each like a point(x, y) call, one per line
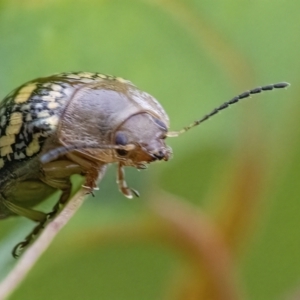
point(241, 169)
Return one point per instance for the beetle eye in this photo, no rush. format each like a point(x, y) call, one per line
point(121, 139)
point(161, 124)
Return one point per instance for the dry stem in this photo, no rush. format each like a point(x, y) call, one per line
point(31, 256)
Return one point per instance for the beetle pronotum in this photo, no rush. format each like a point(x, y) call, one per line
point(77, 123)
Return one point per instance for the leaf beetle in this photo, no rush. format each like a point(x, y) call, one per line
point(78, 123)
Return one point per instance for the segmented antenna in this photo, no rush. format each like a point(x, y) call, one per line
point(59, 151)
point(234, 100)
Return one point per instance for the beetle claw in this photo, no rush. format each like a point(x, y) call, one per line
point(18, 249)
point(135, 192)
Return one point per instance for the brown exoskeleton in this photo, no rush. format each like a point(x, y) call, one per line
point(77, 123)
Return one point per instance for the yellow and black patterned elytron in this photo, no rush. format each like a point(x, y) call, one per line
point(77, 123)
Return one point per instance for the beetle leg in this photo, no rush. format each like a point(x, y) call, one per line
point(93, 171)
point(17, 250)
point(42, 218)
point(57, 175)
point(127, 192)
point(29, 213)
point(66, 188)
point(60, 169)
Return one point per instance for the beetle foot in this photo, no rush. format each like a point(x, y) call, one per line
point(19, 248)
point(90, 190)
point(129, 192)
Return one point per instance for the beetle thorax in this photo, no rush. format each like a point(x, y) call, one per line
point(99, 114)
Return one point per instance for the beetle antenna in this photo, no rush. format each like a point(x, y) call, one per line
point(59, 151)
point(236, 99)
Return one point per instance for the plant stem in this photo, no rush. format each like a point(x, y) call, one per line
point(31, 256)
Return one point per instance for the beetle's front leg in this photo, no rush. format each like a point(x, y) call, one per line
point(124, 189)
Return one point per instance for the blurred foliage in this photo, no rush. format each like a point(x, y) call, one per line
point(240, 170)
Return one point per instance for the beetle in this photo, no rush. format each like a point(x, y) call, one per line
point(78, 123)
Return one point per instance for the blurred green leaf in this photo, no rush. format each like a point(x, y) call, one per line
point(192, 56)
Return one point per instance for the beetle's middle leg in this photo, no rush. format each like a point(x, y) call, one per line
point(57, 175)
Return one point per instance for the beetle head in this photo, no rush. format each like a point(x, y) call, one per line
point(147, 136)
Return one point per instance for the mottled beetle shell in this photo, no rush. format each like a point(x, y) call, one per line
point(64, 109)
